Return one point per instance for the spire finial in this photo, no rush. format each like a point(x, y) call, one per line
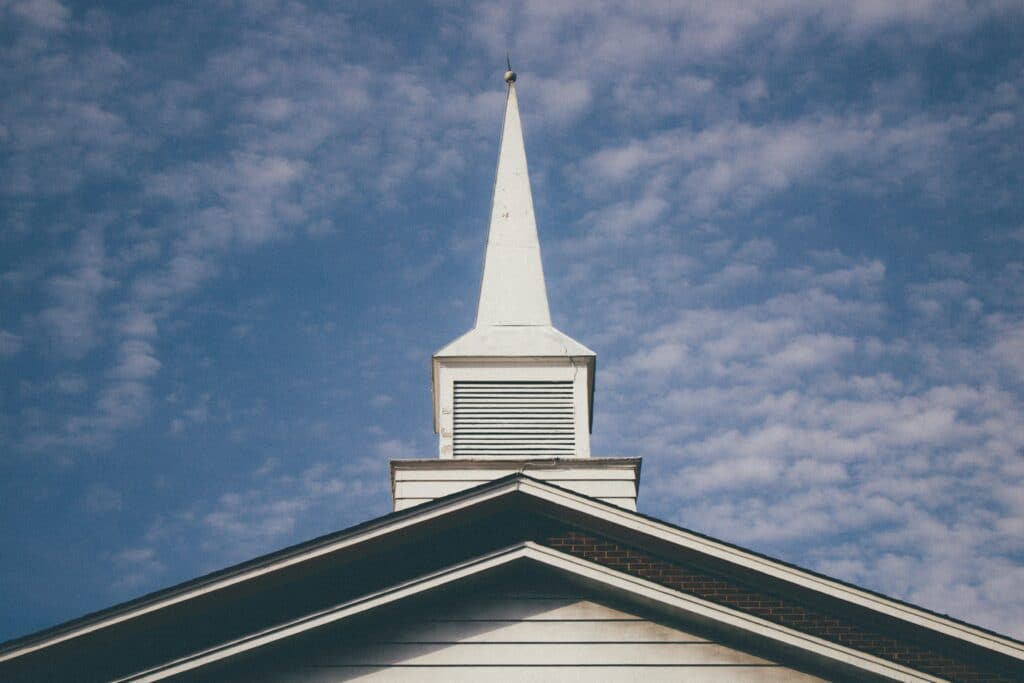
point(510, 75)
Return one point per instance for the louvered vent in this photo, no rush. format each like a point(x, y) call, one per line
point(514, 419)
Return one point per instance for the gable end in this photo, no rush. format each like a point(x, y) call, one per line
point(930, 656)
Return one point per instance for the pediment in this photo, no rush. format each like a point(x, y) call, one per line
point(755, 604)
point(524, 619)
point(723, 641)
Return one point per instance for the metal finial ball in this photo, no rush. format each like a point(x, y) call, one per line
point(510, 76)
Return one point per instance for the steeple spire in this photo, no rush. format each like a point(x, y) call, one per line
point(513, 291)
point(513, 386)
point(513, 394)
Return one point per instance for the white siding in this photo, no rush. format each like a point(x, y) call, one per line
point(538, 632)
point(415, 483)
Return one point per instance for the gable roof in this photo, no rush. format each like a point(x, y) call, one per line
point(532, 552)
point(519, 518)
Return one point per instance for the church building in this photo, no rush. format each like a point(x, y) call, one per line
point(514, 554)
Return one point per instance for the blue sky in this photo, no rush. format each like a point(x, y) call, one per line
point(232, 234)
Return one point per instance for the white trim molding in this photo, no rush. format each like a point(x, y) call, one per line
point(680, 603)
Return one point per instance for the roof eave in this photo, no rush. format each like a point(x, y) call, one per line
point(639, 526)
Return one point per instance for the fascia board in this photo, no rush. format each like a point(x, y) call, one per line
point(764, 565)
point(693, 606)
point(555, 495)
point(408, 519)
point(673, 600)
point(347, 609)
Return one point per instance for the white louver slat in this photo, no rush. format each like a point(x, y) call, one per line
point(514, 419)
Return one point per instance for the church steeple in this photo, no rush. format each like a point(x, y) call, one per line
point(513, 291)
point(513, 394)
point(513, 386)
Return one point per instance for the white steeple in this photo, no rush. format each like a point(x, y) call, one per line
point(512, 292)
point(513, 386)
point(513, 395)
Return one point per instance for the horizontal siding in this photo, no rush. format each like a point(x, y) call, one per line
point(564, 653)
point(623, 674)
point(415, 485)
point(529, 608)
point(536, 630)
point(402, 503)
point(565, 471)
point(598, 488)
point(550, 631)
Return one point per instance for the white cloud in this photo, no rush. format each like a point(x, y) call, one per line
point(624, 220)
point(560, 101)
point(46, 14)
point(71, 384)
point(783, 420)
point(935, 297)
point(810, 351)
point(72, 320)
point(857, 276)
point(200, 412)
point(138, 324)
point(135, 568)
point(137, 361)
point(1008, 347)
point(274, 508)
point(102, 498)
point(395, 449)
point(734, 164)
point(10, 344)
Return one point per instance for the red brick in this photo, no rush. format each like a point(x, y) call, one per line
point(725, 591)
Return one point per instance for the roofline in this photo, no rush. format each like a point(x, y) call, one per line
point(541, 490)
point(590, 571)
point(776, 568)
point(250, 569)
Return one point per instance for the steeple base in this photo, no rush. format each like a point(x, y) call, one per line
point(613, 480)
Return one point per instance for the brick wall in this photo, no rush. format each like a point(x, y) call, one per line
point(775, 608)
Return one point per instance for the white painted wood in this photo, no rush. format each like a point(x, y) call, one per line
point(564, 472)
point(514, 606)
point(566, 652)
point(551, 631)
point(613, 480)
point(616, 583)
point(583, 396)
point(512, 292)
point(513, 326)
point(514, 341)
point(560, 675)
point(481, 636)
point(600, 488)
point(406, 503)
